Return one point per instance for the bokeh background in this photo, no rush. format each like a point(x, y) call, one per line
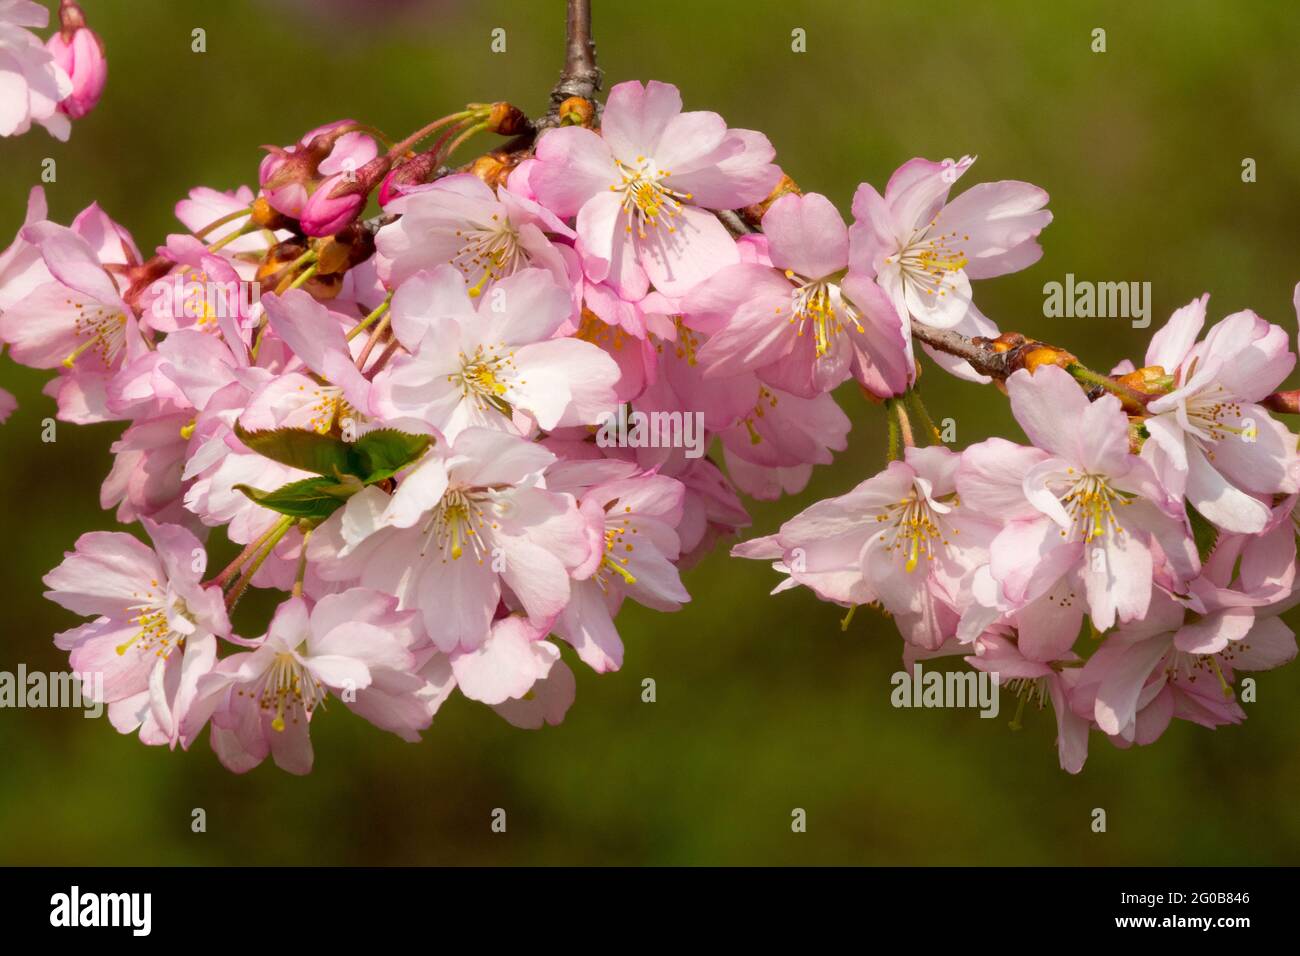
point(764, 705)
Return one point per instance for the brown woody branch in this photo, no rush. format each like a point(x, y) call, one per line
point(980, 354)
point(581, 76)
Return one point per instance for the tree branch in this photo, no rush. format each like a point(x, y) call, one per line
point(581, 76)
point(979, 353)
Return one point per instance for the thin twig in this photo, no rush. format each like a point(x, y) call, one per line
point(981, 357)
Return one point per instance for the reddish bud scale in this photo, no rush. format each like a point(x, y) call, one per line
point(140, 277)
point(507, 120)
point(72, 19)
point(413, 171)
point(363, 181)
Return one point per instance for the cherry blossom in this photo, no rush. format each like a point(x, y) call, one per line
point(641, 188)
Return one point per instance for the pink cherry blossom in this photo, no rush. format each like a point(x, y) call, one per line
point(487, 235)
point(1166, 666)
point(205, 291)
point(1079, 506)
point(354, 645)
point(506, 667)
point(899, 538)
point(804, 325)
point(147, 604)
point(1209, 437)
point(323, 388)
point(924, 249)
point(773, 447)
point(148, 463)
point(484, 362)
point(77, 314)
point(1035, 679)
point(467, 526)
point(73, 316)
point(641, 188)
point(632, 521)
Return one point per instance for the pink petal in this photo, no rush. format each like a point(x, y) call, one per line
point(807, 235)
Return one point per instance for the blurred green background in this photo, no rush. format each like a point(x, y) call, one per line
point(763, 704)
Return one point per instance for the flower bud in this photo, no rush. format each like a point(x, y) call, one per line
point(287, 176)
point(80, 52)
point(324, 213)
point(339, 199)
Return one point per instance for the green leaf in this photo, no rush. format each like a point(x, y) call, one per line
point(314, 498)
point(1204, 534)
point(300, 448)
point(386, 451)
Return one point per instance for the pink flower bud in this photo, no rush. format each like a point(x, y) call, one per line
point(80, 53)
point(284, 177)
point(288, 176)
point(325, 214)
point(340, 198)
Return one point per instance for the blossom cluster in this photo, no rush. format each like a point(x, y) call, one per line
point(405, 422)
point(414, 427)
point(1169, 528)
